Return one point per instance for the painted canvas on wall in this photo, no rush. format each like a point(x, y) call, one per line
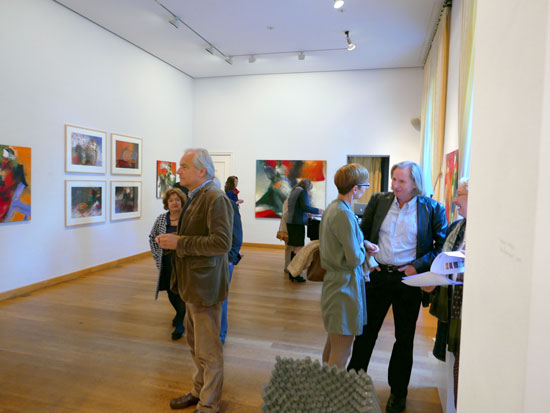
point(451, 184)
point(166, 177)
point(125, 155)
point(15, 183)
point(275, 179)
point(84, 202)
point(84, 150)
point(125, 199)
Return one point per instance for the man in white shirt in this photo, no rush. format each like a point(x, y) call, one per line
point(410, 230)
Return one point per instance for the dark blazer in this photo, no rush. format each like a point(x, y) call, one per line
point(200, 265)
point(299, 206)
point(431, 225)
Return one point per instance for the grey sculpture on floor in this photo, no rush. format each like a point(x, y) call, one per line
point(307, 386)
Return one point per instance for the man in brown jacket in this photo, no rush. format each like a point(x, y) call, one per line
point(200, 275)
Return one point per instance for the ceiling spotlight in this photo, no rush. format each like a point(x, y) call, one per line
point(301, 56)
point(229, 60)
point(251, 59)
point(210, 49)
point(338, 3)
point(175, 22)
point(351, 46)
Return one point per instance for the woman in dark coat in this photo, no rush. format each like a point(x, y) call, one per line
point(299, 206)
point(231, 189)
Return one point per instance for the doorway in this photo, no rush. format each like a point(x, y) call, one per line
point(379, 169)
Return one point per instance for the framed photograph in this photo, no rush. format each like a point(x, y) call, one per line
point(85, 202)
point(166, 177)
point(15, 183)
point(125, 200)
point(125, 155)
point(85, 150)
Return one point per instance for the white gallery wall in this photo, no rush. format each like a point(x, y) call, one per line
point(58, 68)
point(316, 116)
point(504, 361)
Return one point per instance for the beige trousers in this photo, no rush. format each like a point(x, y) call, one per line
point(202, 328)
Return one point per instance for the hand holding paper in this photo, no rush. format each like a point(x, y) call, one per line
point(451, 262)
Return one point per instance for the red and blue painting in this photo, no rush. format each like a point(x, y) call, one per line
point(15, 183)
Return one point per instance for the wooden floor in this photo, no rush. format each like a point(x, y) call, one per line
point(102, 344)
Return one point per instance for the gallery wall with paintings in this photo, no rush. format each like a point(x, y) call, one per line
point(305, 118)
point(116, 98)
point(80, 195)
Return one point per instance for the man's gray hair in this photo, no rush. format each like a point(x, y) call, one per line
point(416, 175)
point(202, 160)
point(464, 182)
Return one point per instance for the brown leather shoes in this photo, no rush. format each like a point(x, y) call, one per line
point(184, 401)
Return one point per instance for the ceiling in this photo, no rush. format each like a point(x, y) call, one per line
point(387, 33)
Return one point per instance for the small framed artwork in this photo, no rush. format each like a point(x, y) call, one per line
point(85, 202)
point(166, 177)
point(125, 200)
point(125, 155)
point(85, 150)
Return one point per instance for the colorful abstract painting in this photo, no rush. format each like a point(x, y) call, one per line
point(15, 183)
point(166, 177)
point(126, 155)
point(275, 179)
point(451, 184)
point(125, 199)
point(85, 150)
point(84, 202)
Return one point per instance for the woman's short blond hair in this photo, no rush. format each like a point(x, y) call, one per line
point(171, 192)
point(350, 175)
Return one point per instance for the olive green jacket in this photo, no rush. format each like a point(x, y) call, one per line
point(200, 264)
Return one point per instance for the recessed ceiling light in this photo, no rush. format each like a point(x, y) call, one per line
point(338, 3)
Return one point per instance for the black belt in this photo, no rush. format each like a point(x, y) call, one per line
point(391, 268)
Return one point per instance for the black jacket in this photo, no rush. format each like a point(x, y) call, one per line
point(431, 226)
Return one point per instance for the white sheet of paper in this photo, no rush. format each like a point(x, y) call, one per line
point(451, 262)
point(427, 279)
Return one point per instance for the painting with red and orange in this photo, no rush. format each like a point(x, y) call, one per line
point(276, 178)
point(451, 184)
point(166, 177)
point(15, 183)
point(127, 155)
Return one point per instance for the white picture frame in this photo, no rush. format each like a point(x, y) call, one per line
point(85, 150)
point(85, 202)
point(125, 200)
point(126, 154)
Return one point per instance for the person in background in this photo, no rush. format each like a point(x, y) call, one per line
point(342, 251)
point(409, 228)
point(299, 206)
point(282, 234)
point(234, 257)
point(201, 275)
point(167, 223)
point(179, 186)
point(446, 301)
point(231, 189)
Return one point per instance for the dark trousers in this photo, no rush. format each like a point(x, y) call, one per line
point(179, 306)
point(383, 290)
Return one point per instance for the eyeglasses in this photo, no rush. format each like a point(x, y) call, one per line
point(365, 185)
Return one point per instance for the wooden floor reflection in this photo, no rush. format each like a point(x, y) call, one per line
point(102, 344)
